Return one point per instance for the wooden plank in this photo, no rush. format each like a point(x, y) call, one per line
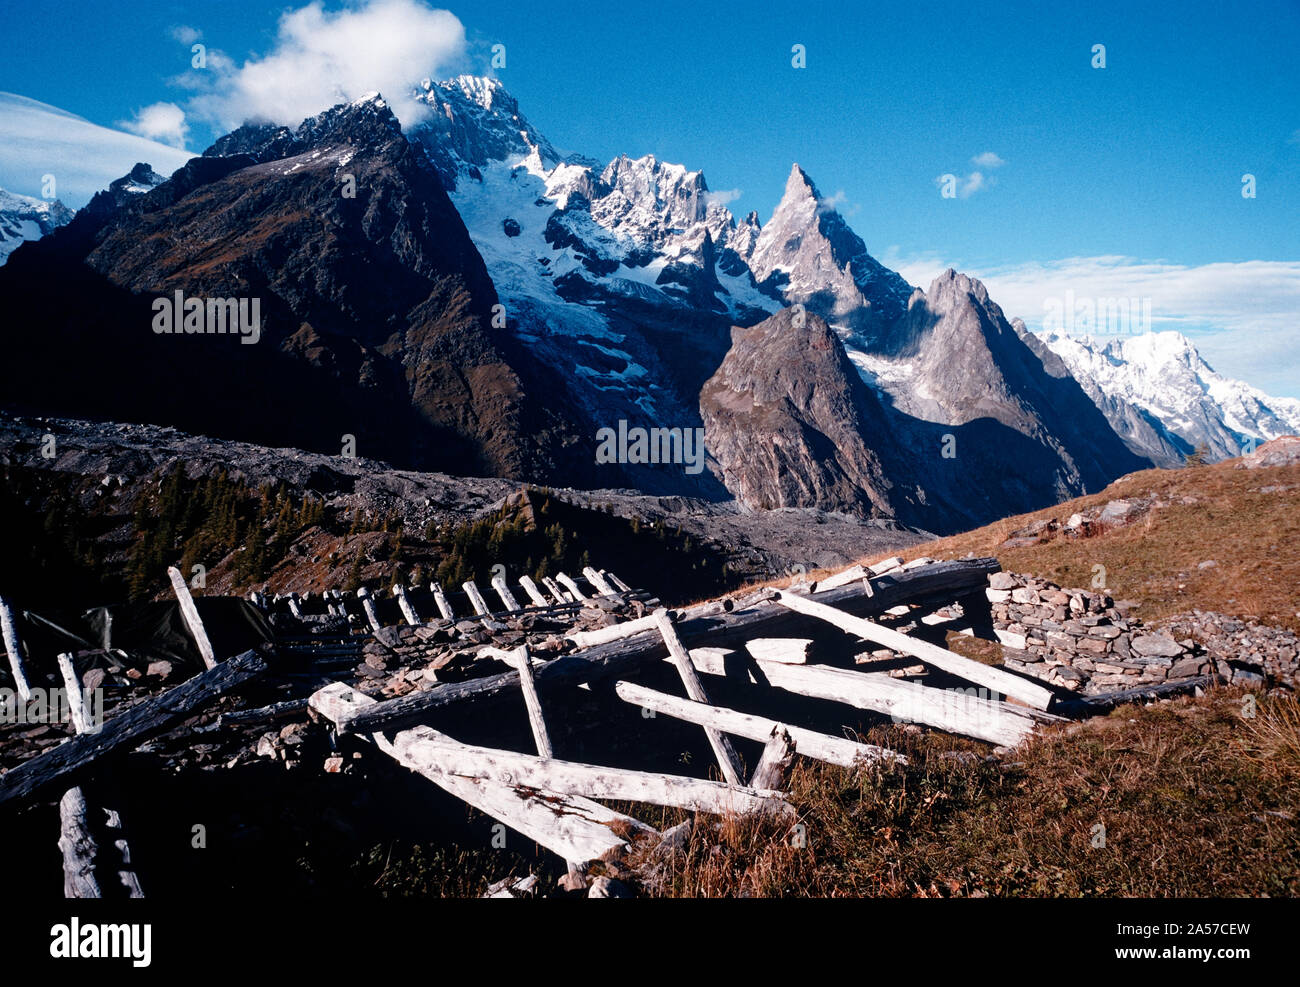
point(596, 579)
point(995, 679)
point(533, 592)
point(953, 711)
point(572, 826)
point(503, 590)
point(128, 728)
point(440, 598)
point(476, 600)
point(719, 627)
point(728, 761)
point(791, 650)
point(407, 607)
point(778, 752)
point(810, 743)
point(571, 586)
point(190, 613)
point(621, 586)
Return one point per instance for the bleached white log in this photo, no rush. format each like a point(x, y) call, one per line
point(621, 586)
point(519, 659)
point(368, 606)
point(778, 752)
point(440, 598)
point(994, 679)
point(476, 600)
point(295, 607)
point(554, 589)
point(533, 592)
point(728, 761)
point(406, 606)
point(572, 826)
point(575, 592)
point(190, 613)
point(843, 578)
point(790, 650)
point(14, 647)
point(614, 632)
point(76, 698)
point(886, 565)
point(809, 743)
point(503, 590)
point(952, 710)
point(600, 582)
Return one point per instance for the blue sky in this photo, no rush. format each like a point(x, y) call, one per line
point(1141, 161)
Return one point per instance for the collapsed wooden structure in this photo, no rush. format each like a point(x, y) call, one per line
point(613, 634)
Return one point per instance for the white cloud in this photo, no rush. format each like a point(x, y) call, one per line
point(185, 34)
point(323, 58)
point(987, 160)
point(1244, 317)
point(723, 197)
point(970, 185)
point(159, 122)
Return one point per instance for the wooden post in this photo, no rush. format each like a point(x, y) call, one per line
point(622, 586)
point(809, 743)
point(775, 761)
point(571, 586)
point(190, 613)
point(556, 591)
point(533, 592)
point(994, 679)
point(722, 749)
point(475, 599)
point(295, 607)
point(503, 591)
point(520, 660)
point(14, 645)
point(440, 598)
point(368, 605)
point(408, 608)
point(76, 840)
point(596, 579)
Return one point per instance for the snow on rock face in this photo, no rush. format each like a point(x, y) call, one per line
point(1162, 374)
point(24, 218)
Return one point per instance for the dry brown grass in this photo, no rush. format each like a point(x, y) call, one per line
point(1196, 799)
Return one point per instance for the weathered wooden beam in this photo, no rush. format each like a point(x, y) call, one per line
point(994, 679)
point(597, 580)
point(533, 592)
point(503, 590)
point(778, 752)
point(523, 664)
point(614, 632)
point(571, 586)
point(810, 743)
point(440, 598)
point(572, 826)
point(476, 600)
point(368, 606)
point(791, 650)
point(407, 607)
point(190, 613)
point(764, 618)
point(954, 711)
point(295, 607)
point(554, 589)
point(728, 761)
point(621, 586)
point(128, 728)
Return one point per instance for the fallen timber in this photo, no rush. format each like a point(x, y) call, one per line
point(128, 728)
point(715, 626)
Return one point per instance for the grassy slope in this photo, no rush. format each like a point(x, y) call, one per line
point(1198, 796)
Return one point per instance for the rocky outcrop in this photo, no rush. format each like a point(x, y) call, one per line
point(787, 419)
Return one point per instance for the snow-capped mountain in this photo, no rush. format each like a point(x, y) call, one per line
point(24, 218)
point(1188, 404)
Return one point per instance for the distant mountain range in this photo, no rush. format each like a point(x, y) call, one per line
point(463, 297)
